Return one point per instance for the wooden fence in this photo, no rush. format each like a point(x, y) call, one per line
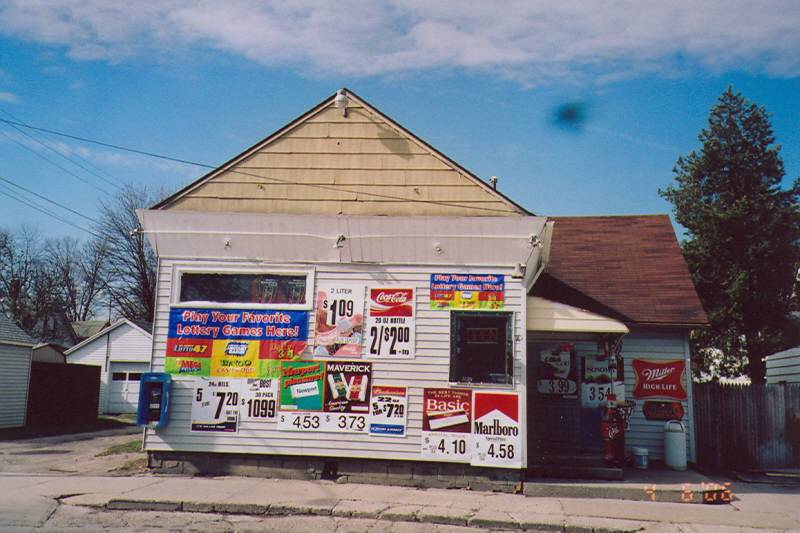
point(740, 427)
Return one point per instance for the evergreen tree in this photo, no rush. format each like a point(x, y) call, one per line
point(743, 235)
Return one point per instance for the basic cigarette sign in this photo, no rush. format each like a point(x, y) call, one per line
point(446, 424)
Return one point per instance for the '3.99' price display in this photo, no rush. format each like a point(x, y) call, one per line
point(322, 422)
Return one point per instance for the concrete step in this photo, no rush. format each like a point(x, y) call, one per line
point(583, 459)
point(566, 471)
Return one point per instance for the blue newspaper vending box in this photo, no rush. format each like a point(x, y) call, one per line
point(154, 390)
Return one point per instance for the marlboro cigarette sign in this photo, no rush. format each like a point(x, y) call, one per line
point(659, 379)
point(497, 432)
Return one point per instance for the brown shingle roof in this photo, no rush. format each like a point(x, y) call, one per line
point(628, 267)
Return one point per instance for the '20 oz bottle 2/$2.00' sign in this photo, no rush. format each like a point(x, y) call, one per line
point(390, 323)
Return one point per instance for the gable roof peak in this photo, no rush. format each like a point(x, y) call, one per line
point(359, 161)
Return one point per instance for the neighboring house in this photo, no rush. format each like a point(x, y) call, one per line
point(83, 329)
point(784, 367)
point(122, 351)
point(15, 369)
point(48, 352)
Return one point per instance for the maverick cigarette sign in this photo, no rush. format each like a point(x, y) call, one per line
point(233, 343)
point(659, 379)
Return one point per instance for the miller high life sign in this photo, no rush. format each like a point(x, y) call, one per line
point(659, 379)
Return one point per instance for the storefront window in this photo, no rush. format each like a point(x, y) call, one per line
point(244, 288)
point(482, 347)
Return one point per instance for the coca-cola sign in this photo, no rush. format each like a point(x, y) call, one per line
point(391, 302)
point(659, 379)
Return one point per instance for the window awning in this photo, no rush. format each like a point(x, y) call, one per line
point(547, 316)
point(518, 243)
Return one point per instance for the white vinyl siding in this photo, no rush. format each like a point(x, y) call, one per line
point(430, 368)
point(125, 343)
point(15, 362)
point(656, 346)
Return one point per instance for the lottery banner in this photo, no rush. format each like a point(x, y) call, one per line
point(302, 385)
point(388, 415)
point(259, 400)
point(339, 320)
point(233, 343)
point(215, 405)
point(496, 430)
point(446, 424)
point(467, 291)
point(390, 323)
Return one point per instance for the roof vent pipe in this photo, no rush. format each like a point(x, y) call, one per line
point(341, 101)
point(493, 181)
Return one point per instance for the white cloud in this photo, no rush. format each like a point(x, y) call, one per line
point(9, 98)
point(530, 41)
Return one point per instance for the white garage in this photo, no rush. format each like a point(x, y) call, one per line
point(123, 388)
point(123, 352)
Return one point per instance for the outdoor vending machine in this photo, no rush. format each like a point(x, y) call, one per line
point(154, 391)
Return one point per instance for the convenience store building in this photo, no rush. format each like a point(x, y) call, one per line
point(343, 299)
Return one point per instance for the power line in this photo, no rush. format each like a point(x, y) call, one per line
point(46, 199)
point(263, 178)
point(64, 156)
point(44, 211)
point(107, 145)
point(42, 156)
point(79, 156)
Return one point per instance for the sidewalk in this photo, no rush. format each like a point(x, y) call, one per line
point(256, 496)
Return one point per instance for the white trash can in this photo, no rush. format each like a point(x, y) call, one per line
point(675, 445)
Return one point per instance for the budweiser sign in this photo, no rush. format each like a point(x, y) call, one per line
point(659, 379)
point(391, 302)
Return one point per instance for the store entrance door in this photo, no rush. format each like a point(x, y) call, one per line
point(564, 408)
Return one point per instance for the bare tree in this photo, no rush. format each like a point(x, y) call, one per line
point(28, 288)
point(130, 262)
point(79, 269)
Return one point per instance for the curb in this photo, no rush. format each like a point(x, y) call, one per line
point(645, 493)
point(397, 513)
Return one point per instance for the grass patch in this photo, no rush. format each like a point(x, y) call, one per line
point(131, 467)
point(134, 446)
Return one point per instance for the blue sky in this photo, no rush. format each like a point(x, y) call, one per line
point(202, 82)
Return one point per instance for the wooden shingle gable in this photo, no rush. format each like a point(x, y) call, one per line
point(360, 164)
